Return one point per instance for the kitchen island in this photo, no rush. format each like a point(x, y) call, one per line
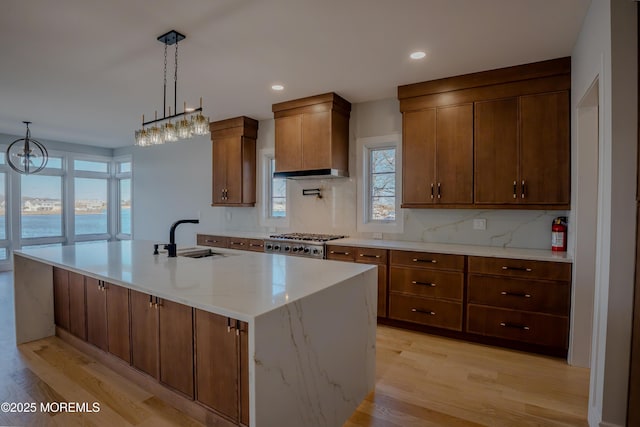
point(310, 324)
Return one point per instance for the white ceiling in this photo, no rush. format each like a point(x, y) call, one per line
point(84, 71)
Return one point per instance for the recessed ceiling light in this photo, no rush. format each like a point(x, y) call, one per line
point(277, 87)
point(417, 55)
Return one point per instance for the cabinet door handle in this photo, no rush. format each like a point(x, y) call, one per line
point(432, 190)
point(433, 261)
point(523, 189)
point(340, 253)
point(157, 304)
point(515, 189)
point(438, 190)
point(369, 256)
point(515, 294)
point(414, 282)
point(237, 327)
point(505, 267)
point(514, 326)
point(419, 310)
point(229, 327)
point(150, 301)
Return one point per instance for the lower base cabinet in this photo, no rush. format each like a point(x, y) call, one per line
point(222, 380)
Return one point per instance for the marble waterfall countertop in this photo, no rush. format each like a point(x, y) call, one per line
point(239, 284)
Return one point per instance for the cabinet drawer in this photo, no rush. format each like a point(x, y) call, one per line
point(238, 243)
point(533, 328)
point(427, 283)
point(428, 260)
point(256, 245)
point(426, 311)
point(216, 241)
point(521, 268)
point(341, 253)
point(371, 255)
point(519, 294)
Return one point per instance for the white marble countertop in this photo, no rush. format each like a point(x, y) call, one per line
point(457, 249)
point(243, 234)
point(242, 284)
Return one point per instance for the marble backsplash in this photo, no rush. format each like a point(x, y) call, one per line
point(336, 212)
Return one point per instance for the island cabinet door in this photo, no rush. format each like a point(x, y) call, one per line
point(77, 317)
point(244, 373)
point(96, 313)
point(217, 363)
point(144, 333)
point(118, 321)
point(61, 297)
point(176, 346)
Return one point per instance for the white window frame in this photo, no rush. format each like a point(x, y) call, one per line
point(73, 174)
point(6, 243)
point(266, 220)
point(364, 148)
point(116, 188)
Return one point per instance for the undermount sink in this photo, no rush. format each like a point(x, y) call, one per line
point(198, 253)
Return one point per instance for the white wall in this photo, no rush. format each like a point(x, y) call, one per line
point(607, 49)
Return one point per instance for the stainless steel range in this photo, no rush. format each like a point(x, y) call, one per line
point(300, 244)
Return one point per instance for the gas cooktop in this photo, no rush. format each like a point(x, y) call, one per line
point(300, 244)
point(307, 237)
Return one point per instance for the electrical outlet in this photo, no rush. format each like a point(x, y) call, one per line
point(479, 224)
point(377, 236)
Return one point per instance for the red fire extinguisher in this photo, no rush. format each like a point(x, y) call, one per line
point(559, 234)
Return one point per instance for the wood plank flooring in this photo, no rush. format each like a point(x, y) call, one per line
point(421, 380)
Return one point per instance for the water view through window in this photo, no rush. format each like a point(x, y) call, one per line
point(91, 205)
point(41, 206)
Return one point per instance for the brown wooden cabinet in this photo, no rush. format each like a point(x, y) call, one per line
point(437, 156)
point(374, 256)
point(77, 313)
point(508, 149)
point(162, 340)
point(520, 300)
point(426, 288)
point(215, 241)
point(312, 134)
point(61, 297)
point(234, 161)
point(108, 317)
point(522, 150)
point(222, 381)
point(255, 245)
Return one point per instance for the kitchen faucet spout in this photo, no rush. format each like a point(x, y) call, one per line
point(171, 247)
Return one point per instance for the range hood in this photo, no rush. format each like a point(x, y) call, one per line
point(312, 137)
point(312, 174)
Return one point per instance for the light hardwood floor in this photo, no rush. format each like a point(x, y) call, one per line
point(421, 380)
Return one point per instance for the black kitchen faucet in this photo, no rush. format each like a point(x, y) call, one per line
point(171, 246)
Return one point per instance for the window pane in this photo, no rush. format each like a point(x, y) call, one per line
point(383, 208)
point(3, 254)
point(124, 167)
point(90, 166)
point(383, 160)
point(41, 206)
point(91, 205)
point(54, 163)
point(383, 184)
point(125, 206)
point(3, 202)
point(2, 162)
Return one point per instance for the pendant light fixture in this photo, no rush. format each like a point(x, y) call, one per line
point(26, 155)
point(189, 123)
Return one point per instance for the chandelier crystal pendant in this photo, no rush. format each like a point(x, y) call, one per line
point(26, 155)
point(189, 123)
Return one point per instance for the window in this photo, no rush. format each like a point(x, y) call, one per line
point(274, 193)
point(91, 206)
point(123, 178)
point(41, 206)
point(278, 199)
point(382, 184)
point(380, 168)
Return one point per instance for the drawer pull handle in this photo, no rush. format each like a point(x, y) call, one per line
point(514, 326)
point(504, 267)
point(255, 246)
point(370, 256)
point(237, 243)
point(433, 261)
point(340, 253)
point(211, 241)
point(515, 294)
point(417, 310)
point(433, 285)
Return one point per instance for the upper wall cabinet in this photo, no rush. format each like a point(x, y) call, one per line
point(234, 161)
point(312, 136)
point(438, 156)
point(501, 137)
